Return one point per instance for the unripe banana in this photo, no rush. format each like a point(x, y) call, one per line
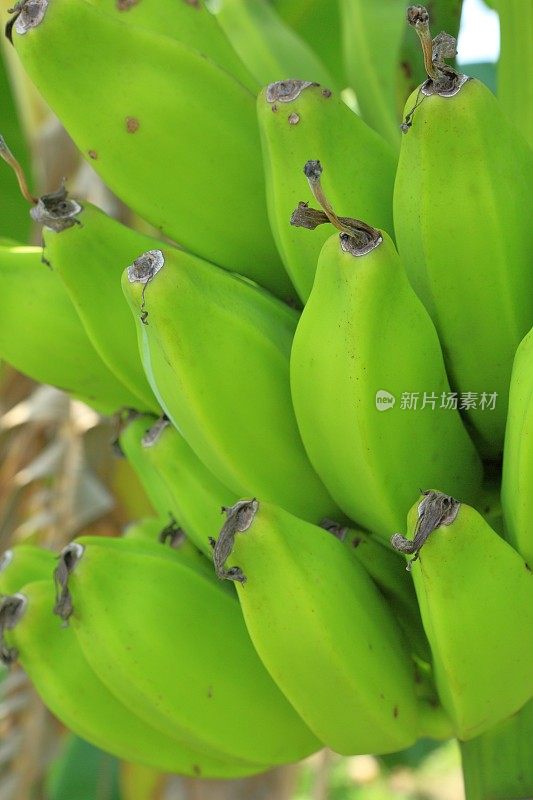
point(381, 563)
point(61, 353)
point(517, 476)
point(189, 23)
point(476, 597)
point(129, 441)
point(266, 44)
point(52, 657)
point(147, 529)
point(170, 544)
point(216, 351)
point(364, 335)
point(382, 58)
point(317, 23)
point(321, 628)
point(89, 257)
point(297, 120)
point(14, 221)
point(463, 181)
point(167, 466)
point(371, 39)
point(203, 184)
point(213, 691)
point(515, 75)
point(25, 563)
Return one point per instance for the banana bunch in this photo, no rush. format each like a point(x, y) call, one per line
point(307, 382)
point(219, 714)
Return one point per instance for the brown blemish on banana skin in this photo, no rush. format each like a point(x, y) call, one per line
point(395, 712)
point(92, 154)
point(132, 124)
point(125, 5)
point(326, 93)
point(294, 118)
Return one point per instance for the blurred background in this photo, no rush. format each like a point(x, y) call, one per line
point(58, 477)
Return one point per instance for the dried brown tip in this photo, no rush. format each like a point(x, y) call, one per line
point(173, 534)
point(435, 510)
point(417, 15)
point(239, 517)
point(29, 14)
point(56, 211)
point(153, 434)
point(286, 91)
point(357, 238)
point(146, 266)
point(68, 560)
point(313, 170)
point(12, 609)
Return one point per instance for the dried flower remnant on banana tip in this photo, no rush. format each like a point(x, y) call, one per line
point(435, 509)
point(443, 79)
point(27, 14)
point(356, 238)
point(55, 210)
point(12, 608)
point(69, 558)
point(238, 519)
point(143, 270)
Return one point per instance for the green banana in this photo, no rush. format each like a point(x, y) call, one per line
point(363, 337)
point(25, 563)
point(381, 563)
point(61, 354)
point(515, 76)
point(189, 23)
point(216, 351)
point(167, 466)
point(296, 119)
point(319, 25)
point(321, 628)
point(14, 220)
point(52, 657)
point(133, 429)
point(147, 529)
point(213, 691)
point(170, 543)
point(371, 40)
point(266, 44)
point(203, 184)
point(382, 59)
point(476, 598)
point(517, 475)
point(463, 181)
point(89, 257)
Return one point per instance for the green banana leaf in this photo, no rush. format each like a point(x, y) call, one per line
point(14, 216)
point(82, 772)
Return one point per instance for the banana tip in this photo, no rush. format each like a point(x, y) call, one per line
point(146, 266)
point(286, 91)
point(28, 14)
